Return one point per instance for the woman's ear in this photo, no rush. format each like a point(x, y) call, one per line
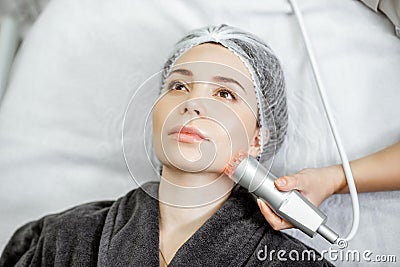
point(255, 149)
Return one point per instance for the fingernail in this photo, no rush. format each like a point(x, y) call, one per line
point(259, 202)
point(281, 182)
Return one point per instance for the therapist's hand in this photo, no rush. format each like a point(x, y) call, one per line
point(315, 184)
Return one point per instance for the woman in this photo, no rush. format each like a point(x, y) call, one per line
point(222, 92)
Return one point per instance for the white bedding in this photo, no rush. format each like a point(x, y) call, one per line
point(61, 117)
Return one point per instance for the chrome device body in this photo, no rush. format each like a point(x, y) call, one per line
point(292, 205)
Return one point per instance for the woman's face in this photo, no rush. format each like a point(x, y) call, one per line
point(208, 111)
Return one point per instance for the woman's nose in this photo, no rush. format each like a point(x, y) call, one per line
point(193, 107)
point(194, 104)
point(189, 110)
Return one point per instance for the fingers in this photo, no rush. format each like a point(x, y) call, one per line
point(289, 182)
point(276, 222)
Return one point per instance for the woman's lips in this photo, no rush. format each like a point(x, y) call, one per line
point(187, 134)
point(187, 138)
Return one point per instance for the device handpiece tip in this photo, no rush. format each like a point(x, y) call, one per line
point(231, 166)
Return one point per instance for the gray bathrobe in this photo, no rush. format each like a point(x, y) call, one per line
point(125, 232)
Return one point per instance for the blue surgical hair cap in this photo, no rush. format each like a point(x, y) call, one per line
point(266, 73)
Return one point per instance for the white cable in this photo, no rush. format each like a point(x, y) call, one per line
point(343, 156)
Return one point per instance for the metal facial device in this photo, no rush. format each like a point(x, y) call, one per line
point(292, 205)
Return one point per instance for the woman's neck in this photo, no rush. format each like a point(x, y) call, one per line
point(187, 199)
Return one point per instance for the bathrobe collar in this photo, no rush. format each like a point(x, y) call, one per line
point(131, 233)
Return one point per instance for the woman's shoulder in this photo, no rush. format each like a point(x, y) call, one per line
point(81, 225)
point(86, 214)
point(30, 239)
point(89, 213)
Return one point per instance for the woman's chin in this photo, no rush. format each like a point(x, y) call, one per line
point(189, 156)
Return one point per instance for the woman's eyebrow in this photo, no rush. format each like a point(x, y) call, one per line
point(183, 72)
point(228, 80)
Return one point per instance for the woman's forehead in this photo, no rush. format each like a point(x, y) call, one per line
point(211, 52)
point(213, 63)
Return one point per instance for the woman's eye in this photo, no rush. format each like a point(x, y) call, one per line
point(177, 86)
point(226, 94)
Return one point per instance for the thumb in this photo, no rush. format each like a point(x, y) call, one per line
point(287, 183)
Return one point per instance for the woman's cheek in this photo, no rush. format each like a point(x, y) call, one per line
point(228, 141)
